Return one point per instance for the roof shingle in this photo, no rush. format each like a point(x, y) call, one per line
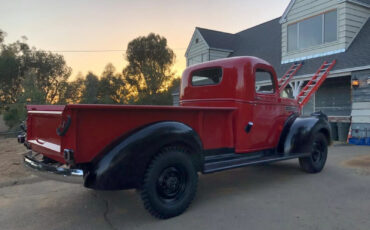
point(217, 39)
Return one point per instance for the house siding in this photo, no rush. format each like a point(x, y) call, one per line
point(361, 98)
point(197, 51)
point(350, 19)
point(217, 54)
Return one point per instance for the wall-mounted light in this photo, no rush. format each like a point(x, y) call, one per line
point(355, 83)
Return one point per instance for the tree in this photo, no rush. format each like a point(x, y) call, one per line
point(2, 35)
point(51, 74)
point(73, 90)
point(112, 87)
point(49, 71)
point(31, 93)
point(148, 72)
point(90, 91)
point(12, 69)
point(29, 75)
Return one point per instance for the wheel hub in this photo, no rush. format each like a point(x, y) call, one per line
point(317, 151)
point(171, 183)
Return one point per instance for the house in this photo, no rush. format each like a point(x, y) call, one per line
point(312, 31)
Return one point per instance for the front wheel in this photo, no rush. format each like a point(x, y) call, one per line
point(169, 184)
point(317, 159)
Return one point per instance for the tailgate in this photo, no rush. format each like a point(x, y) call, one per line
point(42, 123)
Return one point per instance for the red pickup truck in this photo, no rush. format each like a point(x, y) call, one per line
point(231, 115)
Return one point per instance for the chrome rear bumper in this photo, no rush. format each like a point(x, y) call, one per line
point(52, 172)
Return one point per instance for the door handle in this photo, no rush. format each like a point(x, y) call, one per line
point(248, 127)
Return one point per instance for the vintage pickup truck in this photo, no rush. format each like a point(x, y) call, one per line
point(231, 115)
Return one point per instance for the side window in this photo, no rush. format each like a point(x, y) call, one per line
point(264, 82)
point(211, 76)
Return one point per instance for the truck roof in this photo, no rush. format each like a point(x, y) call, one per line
point(236, 81)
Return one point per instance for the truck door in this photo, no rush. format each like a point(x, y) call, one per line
point(265, 112)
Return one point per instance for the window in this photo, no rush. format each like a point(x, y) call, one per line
point(330, 26)
point(310, 32)
point(264, 82)
point(210, 76)
point(313, 31)
point(292, 37)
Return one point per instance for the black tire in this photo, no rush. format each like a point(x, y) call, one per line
point(169, 184)
point(316, 161)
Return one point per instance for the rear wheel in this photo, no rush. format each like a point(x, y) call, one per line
point(169, 184)
point(317, 159)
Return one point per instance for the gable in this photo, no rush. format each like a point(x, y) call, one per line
point(296, 4)
point(197, 45)
point(301, 9)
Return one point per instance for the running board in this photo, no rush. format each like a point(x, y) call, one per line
point(233, 160)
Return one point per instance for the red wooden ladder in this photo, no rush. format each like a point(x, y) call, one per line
point(313, 85)
point(283, 82)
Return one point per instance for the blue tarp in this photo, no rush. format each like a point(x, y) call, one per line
point(359, 141)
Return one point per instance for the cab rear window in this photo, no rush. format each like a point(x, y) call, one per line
point(211, 76)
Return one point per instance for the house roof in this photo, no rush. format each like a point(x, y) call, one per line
point(217, 39)
point(264, 41)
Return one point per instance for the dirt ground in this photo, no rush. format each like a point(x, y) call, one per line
point(13, 172)
point(277, 196)
point(360, 162)
point(11, 169)
point(3, 127)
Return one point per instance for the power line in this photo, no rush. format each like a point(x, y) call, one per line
point(96, 51)
point(86, 51)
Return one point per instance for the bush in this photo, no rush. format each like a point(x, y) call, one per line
point(14, 115)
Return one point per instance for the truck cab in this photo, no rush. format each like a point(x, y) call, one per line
point(249, 84)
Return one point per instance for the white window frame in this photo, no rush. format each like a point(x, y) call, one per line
point(322, 31)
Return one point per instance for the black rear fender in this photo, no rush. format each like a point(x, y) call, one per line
point(298, 132)
point(123, 165)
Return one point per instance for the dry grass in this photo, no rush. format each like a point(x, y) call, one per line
point(11, 167)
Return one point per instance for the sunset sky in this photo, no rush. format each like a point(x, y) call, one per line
point(97, 25)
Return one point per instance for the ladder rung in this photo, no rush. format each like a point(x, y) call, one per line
point(314, 83)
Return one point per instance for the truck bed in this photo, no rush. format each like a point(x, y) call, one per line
point(95, 127)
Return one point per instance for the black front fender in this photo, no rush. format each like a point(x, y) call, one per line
point(123, 165)
point(298, 133)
